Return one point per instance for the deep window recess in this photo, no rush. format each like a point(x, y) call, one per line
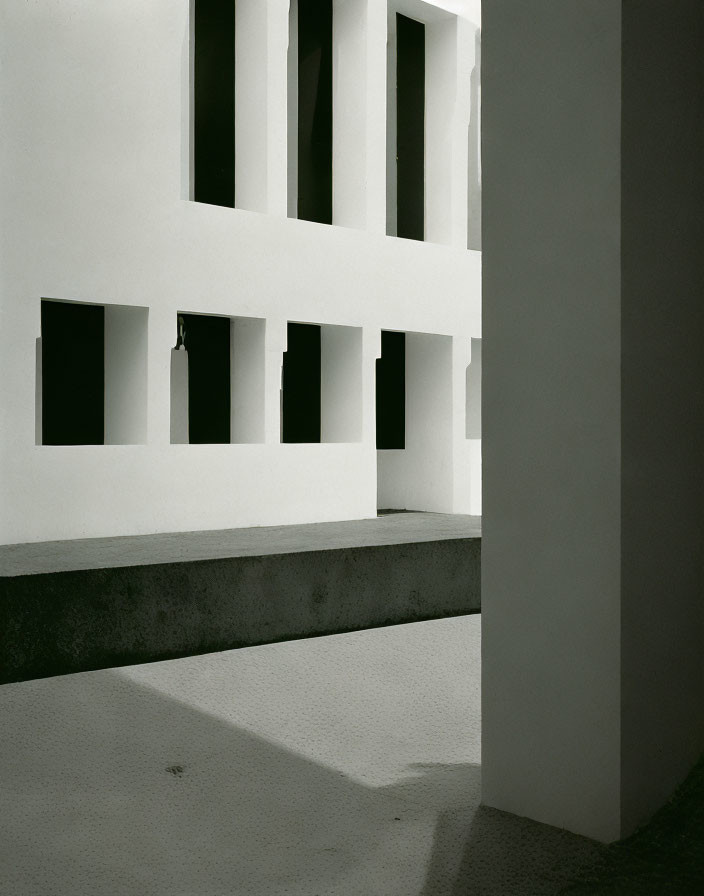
point(207, 341)
point(214, 102)
point(73, 376)
point(410, 127)
point(301, 384)
point(391, 391)
point(315, 110)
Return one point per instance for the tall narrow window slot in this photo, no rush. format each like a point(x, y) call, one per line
point(73, 376)
point(391, 391)
point(410, 127)
point(301, 384)
point(214, 102)
point(207, 342)
point(315, 110)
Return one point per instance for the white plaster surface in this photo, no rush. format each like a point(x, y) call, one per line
point(328, 766)
point(126, 375)
point(419, 476)
point(247, 379)
point(341, 389)
point(94, 175)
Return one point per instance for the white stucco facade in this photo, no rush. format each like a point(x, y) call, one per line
point(96, 207)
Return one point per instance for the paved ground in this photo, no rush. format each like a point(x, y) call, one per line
point(172, 547)
point(337, 766)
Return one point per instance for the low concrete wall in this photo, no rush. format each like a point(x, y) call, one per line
point(63, 622)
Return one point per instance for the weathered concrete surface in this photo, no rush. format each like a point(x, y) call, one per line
point(132, 610)
point(176, 547)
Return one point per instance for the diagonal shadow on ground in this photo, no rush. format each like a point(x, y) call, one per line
point(110, 788)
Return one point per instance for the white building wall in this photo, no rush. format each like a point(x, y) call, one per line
point(95, 172)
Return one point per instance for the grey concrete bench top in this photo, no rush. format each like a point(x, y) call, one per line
point(179, 547)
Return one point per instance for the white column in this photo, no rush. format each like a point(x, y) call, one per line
point(38, 402)
point(247, 370)
point(440, 127)
point(275, 341)
point(179, 397)
point(376, 95)
point(292, 111)
point(251, 103)
point(126, 335)
point(391, 129)
point(341, 384)
point(592, 630)
point(277, 74)
point(349, 151)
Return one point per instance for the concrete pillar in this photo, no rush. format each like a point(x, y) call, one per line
point(375, 174)
point(247, 386)
point(38, 404)
point(593, 670)
point(126, 374)
point(251, 65)
point(349, 159)
point(277, 107)
point(275, 343)
point(341, 384)
point(292, 111)
point(261, 39)
point(440, 112)
point(179, 397)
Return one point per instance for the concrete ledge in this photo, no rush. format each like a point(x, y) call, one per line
point(75, 620)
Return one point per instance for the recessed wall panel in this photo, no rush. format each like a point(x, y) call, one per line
point(207, 341)
point(410, 127)
point(391, 391)
point(214, 102)
point(301, 384)
point(73, 377)
point(315, 110)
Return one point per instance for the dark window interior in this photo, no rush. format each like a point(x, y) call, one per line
point(410, 123)
point(73, 374)
point(315, 110)
point(301, 384)
point(391, 391)
point(214, 102)
point(207, 341)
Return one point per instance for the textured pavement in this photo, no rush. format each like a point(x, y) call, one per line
point(174, 547)
point(338, 766)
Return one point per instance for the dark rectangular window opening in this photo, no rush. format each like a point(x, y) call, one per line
point(410, 128)
point(391, 391)
point(73, 373)
point(214, 102)
point(315, 110)
point(207, 341)
point(301, 385)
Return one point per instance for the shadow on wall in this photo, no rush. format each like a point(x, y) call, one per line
point(474, 176)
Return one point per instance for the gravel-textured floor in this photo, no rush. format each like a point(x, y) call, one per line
point(338, 766)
